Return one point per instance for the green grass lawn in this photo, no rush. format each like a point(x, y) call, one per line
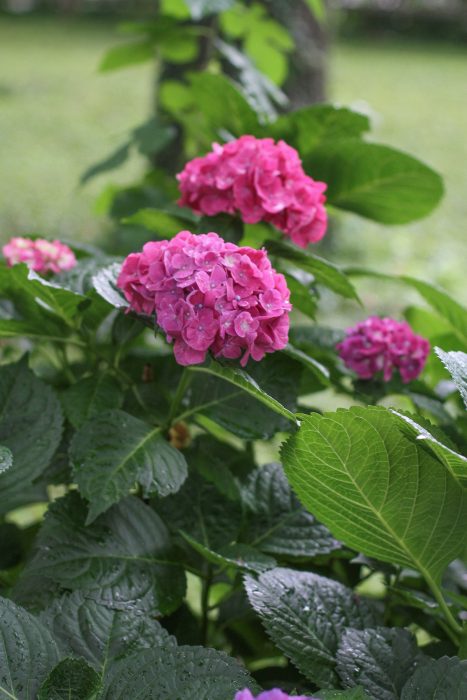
point(58, 115)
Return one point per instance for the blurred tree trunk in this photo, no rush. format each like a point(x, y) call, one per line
point(306, 83)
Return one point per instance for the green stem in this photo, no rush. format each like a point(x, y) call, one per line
point(205, 605)
point(183, 384)
point(454, 626)
point(463, 643)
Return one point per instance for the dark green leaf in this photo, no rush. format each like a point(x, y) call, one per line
point(100, 633)
point(152, 136)
point(31, 428)
point(123, 560)
point(380, 660)
point(320, 371)
point(34, 294)
point(89, 397)
point(258, 88)
point(163, 223)
point(113, 451)
point(440, 679)
point(302, 297)
point(245, 383)
point(72, 679)
point(456, 364)
point(10, 545)
point(323, 271)
point(27, 653)
point(79, 278)
point(306, 615)
point(229, 227)
point(351, 694)
point(278, 523)
point(127, 55)
point(105, 284)
point(223, 106)
point(240, 556)
point(114, 160)
point(433, 438)
point(182, 672)
point(378, 491)
point(449, 309)
point(375, 181)
point(311, 127)
point(199, 509)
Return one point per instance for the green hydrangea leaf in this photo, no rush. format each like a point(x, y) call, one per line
point(306, 615)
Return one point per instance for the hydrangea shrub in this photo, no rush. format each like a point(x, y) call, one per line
point(208, 487)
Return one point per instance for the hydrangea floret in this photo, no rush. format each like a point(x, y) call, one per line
point(40, 255)
point(209, 295)
point(274, 694)
point(383, 345)
point(263, 181)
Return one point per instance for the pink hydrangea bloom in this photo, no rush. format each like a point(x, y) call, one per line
point(269, 695)
point(384, 345)
point(39, 255)
point(263, 181)
point(209, 295)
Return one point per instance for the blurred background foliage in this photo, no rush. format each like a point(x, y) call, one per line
point(401, 63)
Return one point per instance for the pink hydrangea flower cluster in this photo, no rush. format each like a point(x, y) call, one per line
point(39, 255)
point(262, 180)
point(384, 345)
point(209, 295)
point(269, 695)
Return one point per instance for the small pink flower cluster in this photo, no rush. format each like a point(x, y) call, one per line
point(269, 695)
point(209, 295)
point(262, 180)
point(384, 345)
point(39, 255)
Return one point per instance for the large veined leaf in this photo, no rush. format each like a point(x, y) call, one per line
point(239, 556)
point(42, 304)
point(223, 106)
point(62, 302)
point(323, 271)
point(105, 284)
point(380, 660)
point(226, 397)
point(30, 428)
point(306, 615)
point(122, 561)
point(377, 490)
point(440, 679)
point(71, 679)
point(277, 522)
point(311, 127)
point(182, 672)
point(27, 653)
point(200, 510)
point(456, 364)
point(100, 633)
point(375, 181)
point(436, 441)
point(113, 451)
point(91, 396)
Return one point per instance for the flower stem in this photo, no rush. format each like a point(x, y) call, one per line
point(183, 384)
